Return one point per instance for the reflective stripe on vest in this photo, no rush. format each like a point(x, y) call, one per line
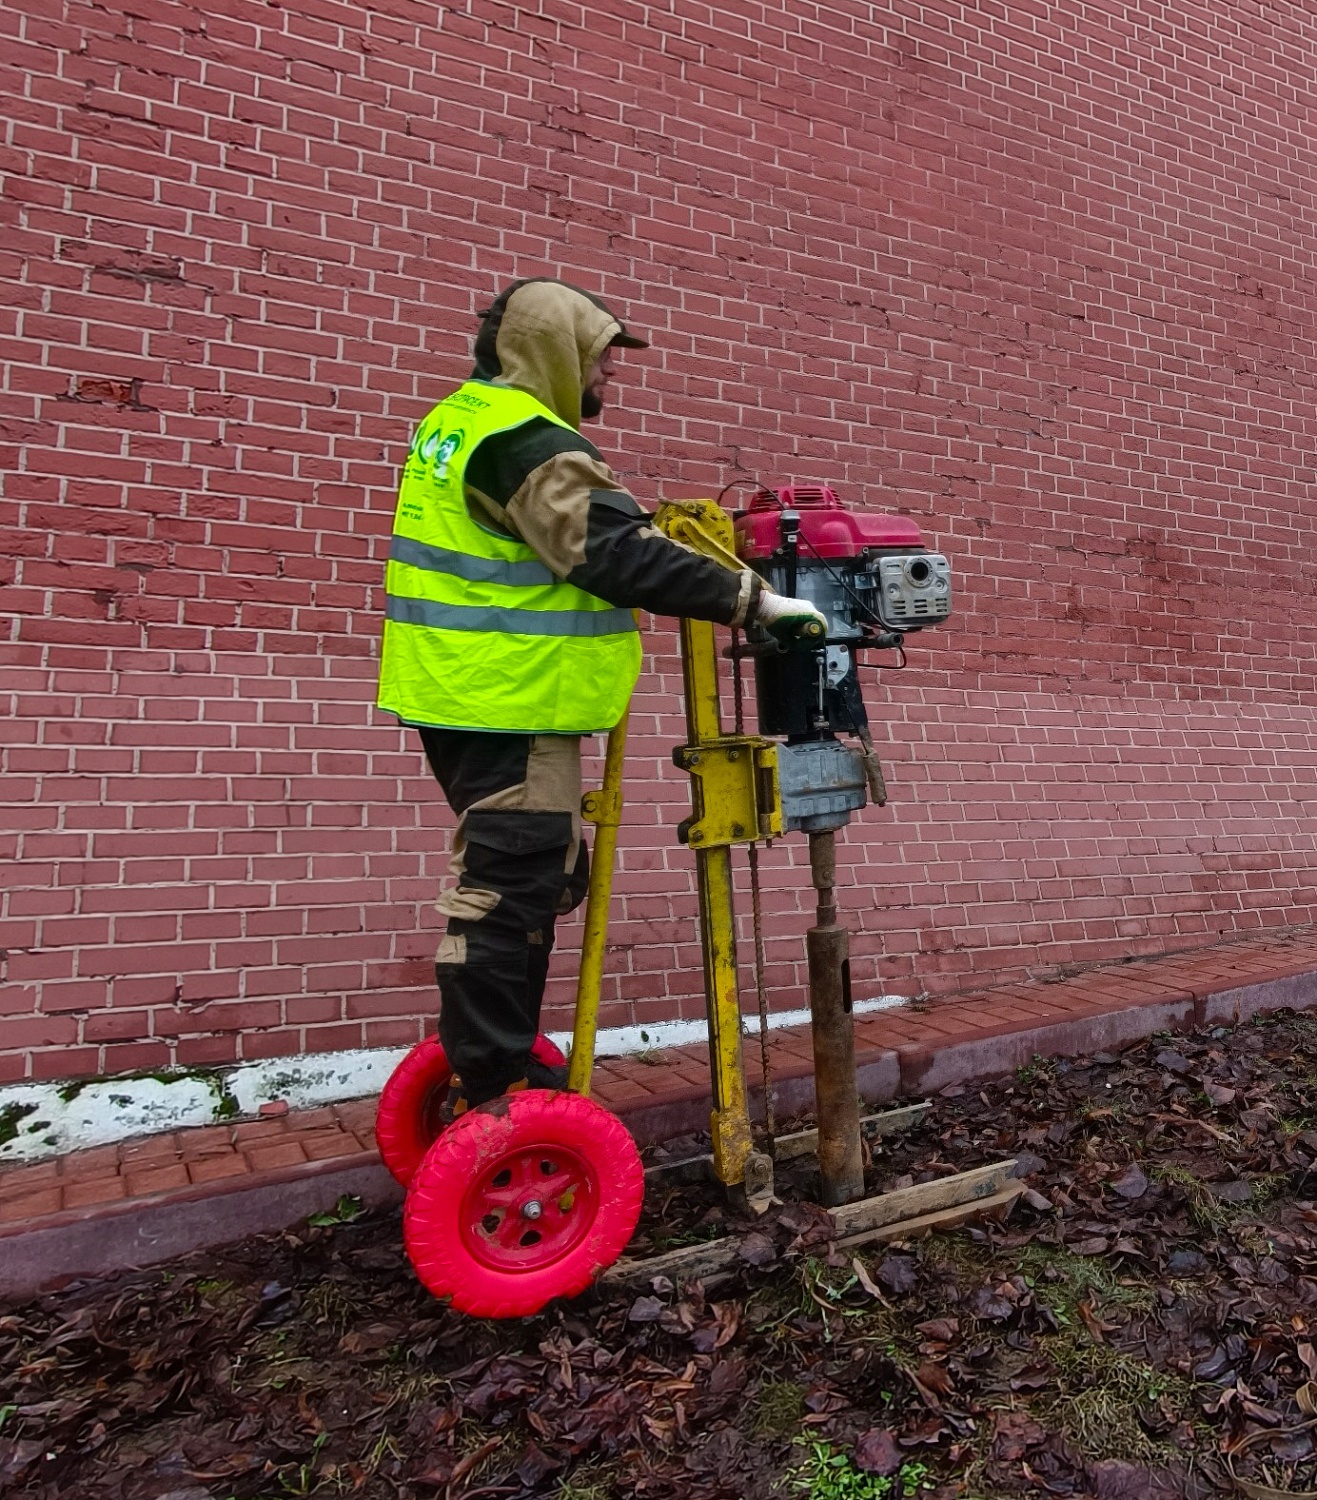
point(460, 565)
point(478, 632)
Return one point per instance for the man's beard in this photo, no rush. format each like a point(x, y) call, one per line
point(591, 405)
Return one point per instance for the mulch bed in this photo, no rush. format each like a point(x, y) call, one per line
point(1142, 1326)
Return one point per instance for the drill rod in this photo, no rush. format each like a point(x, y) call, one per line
point(837, 1103)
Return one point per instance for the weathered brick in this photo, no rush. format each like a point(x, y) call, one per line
point(271, 1158)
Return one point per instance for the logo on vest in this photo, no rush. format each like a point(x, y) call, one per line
point(438, 450)
point(465, 398)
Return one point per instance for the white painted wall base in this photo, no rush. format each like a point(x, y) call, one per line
point(624, 1041)
point(47, 1119)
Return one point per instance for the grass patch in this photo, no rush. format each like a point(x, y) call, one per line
point(594, 1480)
point(678, 1239)
point(328, 1304)
point(1206, 1209)
point(1110, 1111)
point(781, 1407)
point(1066, 1280)
point(1098, 1395)
point(1099, 1389)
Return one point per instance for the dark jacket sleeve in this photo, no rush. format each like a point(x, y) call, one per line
point(552, 488)
point(631, 564)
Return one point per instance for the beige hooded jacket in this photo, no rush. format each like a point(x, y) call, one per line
point(552, 488)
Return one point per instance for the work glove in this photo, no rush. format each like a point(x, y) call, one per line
point(791, 622)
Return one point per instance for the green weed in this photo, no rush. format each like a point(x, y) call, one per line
point(213, 1289)
point(301, 1479)
point(344, 1211)
point(10, 1116)
point(1037, 1070)
point(828, 1474)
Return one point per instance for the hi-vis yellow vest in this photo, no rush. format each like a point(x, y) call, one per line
point(478, 633)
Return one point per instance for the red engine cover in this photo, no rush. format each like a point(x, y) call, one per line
point(827, 528)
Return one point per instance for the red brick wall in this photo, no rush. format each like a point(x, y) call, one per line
point(1040, 275)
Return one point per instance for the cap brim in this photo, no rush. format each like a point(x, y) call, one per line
point(625, 340)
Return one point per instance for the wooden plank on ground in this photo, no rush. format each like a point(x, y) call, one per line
point(905, 1212)
point(922, 1198)
point(997, 1207)
point(684, 1173)
point(802, 1142)
point(679, 1265)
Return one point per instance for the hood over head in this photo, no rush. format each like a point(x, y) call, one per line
point(543, 337)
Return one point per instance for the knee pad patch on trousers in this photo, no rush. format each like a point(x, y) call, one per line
point(523, 857)
point(466, 904)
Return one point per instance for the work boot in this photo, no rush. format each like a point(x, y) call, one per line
point(455, 1105)
point(538, 1076)
point(545, 1075)
point(461, 1098)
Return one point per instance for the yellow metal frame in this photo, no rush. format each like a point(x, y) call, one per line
point(735, 799)
point(734, 791)
point(603, 808)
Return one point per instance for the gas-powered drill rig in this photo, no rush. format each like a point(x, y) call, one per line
point(537, 1194)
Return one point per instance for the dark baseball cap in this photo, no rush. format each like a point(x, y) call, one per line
point(491, 317)
point(626, 339)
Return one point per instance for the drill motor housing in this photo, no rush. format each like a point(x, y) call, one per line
point(875, 582)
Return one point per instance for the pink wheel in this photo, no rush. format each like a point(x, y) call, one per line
point(409, 1117)
point(521, 1201)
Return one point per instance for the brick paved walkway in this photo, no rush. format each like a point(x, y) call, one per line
point(141, 1201)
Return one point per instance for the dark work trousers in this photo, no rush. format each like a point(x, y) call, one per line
point(520, 862)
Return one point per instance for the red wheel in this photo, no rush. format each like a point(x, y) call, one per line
point(523, 1200)
point(409, 1117)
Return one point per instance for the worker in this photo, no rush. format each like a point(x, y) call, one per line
point(516, 566)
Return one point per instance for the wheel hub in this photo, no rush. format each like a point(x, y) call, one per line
point(529, 1208)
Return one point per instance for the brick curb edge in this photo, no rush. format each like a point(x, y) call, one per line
point(49, 1252)
point(46, 1253)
